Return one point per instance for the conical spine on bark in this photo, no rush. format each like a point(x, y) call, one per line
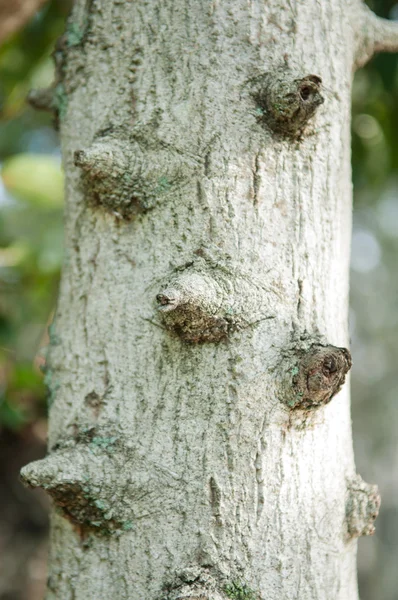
point(132, 175)
point(206, 301)
point(87, 481)
point(68, 477)
point(42, 99)
point(362, 507)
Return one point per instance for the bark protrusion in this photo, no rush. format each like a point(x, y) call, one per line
point(373, 34)
point(317, 375)
point(42, 99)
point(85, 478)
point(362, 507)
point(53, 99)
point(287, 101)
point(208, 299)
point(102, 161)
point(90, 474)
point(169, 299)
point(190, 307)
point(70, 480)
point(127, 176)
point(195, 583)
point(106, 175)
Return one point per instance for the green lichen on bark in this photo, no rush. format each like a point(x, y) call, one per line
point(239, 591)
point(129, 174)
point(74, 34)
point(52, 384)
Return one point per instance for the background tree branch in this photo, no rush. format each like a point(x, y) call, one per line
point(14, 14)
point(374, 35)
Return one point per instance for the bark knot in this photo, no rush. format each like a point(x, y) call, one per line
point(288, 101)
point(207, 300)
point(190, 307)
point(317, 374)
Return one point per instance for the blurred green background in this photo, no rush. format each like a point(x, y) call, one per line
point(31, 199)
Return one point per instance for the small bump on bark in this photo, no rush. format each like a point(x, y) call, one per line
point(80, 474)
point(190, 308)
point(129, 175)
point(317, 374)
point(287, 102)
point(195, 583)
point(208, 299)
point(41, 99)
point(63, 476)
point(362, 507)
point(53, 99)
point(105, 169)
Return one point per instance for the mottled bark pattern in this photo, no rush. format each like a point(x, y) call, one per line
point(176, 461)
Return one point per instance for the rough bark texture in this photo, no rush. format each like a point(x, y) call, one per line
point(197, 446)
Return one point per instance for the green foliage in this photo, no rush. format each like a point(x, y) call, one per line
point(18, 405)
point(30, 218)
point(375, 119)
point(35, 178)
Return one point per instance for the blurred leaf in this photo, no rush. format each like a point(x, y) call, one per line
point(10, 416)
point(13, 255)
point(35, 178)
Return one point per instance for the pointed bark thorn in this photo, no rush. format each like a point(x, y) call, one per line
point(169, 299)
point(101, 161)
point(191, 307)
point(72, 479)
point(195, 290)
point(362, 507)
point(42, 99)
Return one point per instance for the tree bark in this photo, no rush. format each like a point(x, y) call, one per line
point(200, 436)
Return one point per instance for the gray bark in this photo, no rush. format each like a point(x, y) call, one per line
point(200, 437)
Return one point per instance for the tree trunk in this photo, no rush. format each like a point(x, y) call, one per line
point(199, 446)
